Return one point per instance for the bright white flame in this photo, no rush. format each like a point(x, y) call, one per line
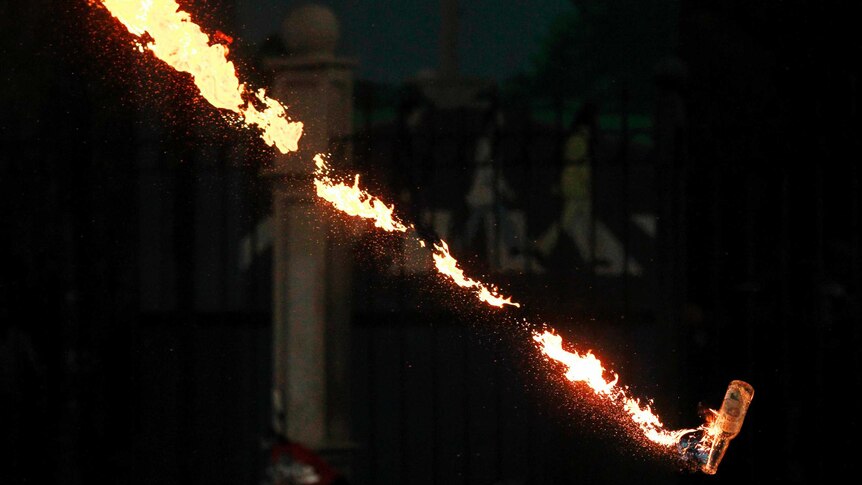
point(352, 200)
point(181, 43)
point(448, 266)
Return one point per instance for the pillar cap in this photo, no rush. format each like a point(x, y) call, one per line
point(311, 31)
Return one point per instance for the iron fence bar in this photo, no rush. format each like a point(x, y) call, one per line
point(624, 157)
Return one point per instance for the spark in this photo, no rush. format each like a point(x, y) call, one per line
point(448, 266)
point(169, 33)
point(587, 368)
point(352, 200)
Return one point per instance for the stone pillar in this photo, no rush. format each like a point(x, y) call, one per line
point(311, 278)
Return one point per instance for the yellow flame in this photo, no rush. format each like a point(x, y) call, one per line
point(587, 368)
point(448, 266)
point(182, 44)
point(712, 427)
point(353, 200)
point(179, 42)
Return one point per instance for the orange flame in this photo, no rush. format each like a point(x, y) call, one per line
point(587, 368)
point(356, 202)
point(353, 200)
point(711, 426)
point(182, 44)
point(176, 40)
point(448, 266)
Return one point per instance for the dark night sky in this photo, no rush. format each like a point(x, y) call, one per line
point(395, 40)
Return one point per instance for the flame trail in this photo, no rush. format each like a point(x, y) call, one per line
point(353, 201)
point(171, 35)
point(181, 43)
point(587, 368)
point(448, 266)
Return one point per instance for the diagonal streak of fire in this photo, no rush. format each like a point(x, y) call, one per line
point(169, 33)
point(354, 201)
point(179, 42)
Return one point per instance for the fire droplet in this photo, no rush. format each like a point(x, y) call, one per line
point(352, 200)
point(162, 28)
point(587, 368)
point(181, 43)
point(448, 266)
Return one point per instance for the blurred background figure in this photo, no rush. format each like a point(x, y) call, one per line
point(492, 223)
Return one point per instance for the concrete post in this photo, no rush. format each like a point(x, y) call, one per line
point(311, 326)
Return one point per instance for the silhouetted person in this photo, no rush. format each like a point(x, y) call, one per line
point(489, 193)
point(595, 242)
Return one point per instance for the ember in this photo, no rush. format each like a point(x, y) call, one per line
point(181, 43)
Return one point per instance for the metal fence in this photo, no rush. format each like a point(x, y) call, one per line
point(447, 395)
point(752, 271)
